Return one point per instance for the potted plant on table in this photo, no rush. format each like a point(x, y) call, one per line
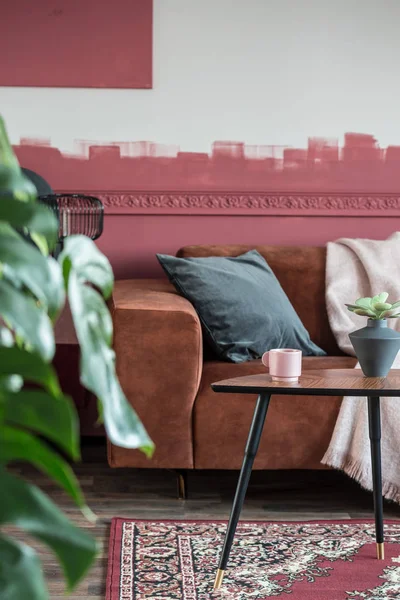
point(376, 345)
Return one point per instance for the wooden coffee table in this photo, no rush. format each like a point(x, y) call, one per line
point(329, 382)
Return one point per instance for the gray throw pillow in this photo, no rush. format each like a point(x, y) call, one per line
point(241, 305)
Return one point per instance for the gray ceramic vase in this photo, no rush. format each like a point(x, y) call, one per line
point(376, 347)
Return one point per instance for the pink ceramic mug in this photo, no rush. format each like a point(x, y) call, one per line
point(284, 364)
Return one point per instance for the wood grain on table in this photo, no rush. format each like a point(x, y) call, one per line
point(325, 382)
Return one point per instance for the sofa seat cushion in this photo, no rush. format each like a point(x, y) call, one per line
point(297, 430)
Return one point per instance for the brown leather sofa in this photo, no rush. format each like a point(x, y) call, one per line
point(167, 376)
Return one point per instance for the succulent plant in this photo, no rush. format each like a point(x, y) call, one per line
point(376, 308)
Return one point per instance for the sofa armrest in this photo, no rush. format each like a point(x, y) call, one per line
point(158, 345)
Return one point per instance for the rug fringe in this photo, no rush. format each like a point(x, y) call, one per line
point(357, 471)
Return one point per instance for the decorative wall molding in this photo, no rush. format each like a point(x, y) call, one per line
point(251, 203)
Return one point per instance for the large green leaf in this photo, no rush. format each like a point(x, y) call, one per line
point(21, 445)
point(8, 158)
point(88, 263)
point(22, 262)
point(20, 572)
point(28, 508)
point(30, 321)
point(55, 418)
point(94, 327)
point(29, 366)
point(82, 263)
point(12, 179)
point(44, 223)
point(10, 383)
point(6, 337)
point(32, 216)
point(15, 212)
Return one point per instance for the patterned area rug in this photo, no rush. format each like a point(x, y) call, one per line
point(315, 560)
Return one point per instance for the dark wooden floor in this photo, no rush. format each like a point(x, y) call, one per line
point(149, 494)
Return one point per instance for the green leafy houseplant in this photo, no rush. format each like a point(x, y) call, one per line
point(376, 308)
point(38, 423)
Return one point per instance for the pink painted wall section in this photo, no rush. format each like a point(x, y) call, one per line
point(131, 242)
point(358, 165)
point(158, 199)
point(76, 43)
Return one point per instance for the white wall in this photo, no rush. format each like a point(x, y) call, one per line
point(260, 71)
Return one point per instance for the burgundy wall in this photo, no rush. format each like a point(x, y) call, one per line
point(157, 199)
point(131, 241)
point(359, 166)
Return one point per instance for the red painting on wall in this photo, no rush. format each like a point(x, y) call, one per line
point(77, 43)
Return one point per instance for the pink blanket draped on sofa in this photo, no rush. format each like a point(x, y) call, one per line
point(358, 268)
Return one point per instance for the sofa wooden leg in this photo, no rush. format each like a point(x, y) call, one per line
point(181, 480)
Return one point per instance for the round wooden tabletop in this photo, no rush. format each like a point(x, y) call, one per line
point(324, 382)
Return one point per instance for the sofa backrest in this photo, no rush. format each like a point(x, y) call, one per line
point(301, 273)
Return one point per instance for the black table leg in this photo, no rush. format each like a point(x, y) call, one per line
point(374, 419)
point(250, 452)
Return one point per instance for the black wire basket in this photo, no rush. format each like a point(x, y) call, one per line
point(76, 214)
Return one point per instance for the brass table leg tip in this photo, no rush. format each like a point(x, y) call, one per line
point(380, 551)
point(218, 579)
